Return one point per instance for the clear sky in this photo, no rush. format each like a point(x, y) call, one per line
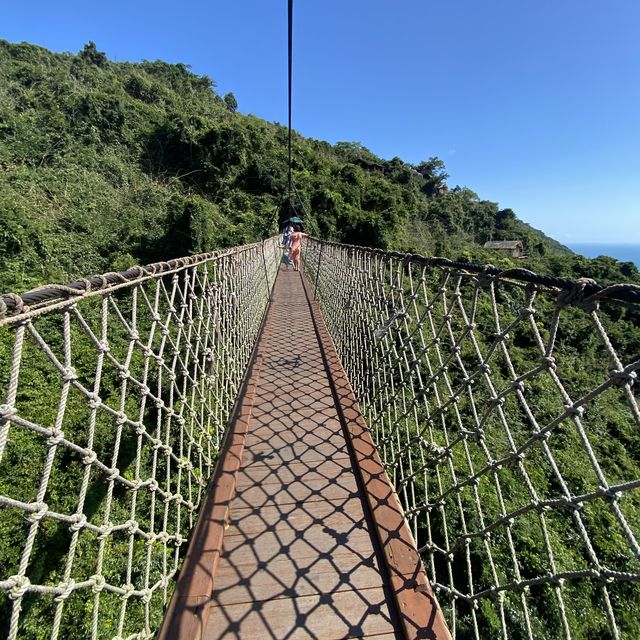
point(533, 104)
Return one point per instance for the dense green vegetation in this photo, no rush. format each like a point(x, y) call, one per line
point(108, 164)
point(105, 165)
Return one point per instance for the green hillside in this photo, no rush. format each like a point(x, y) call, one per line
point(109, 164)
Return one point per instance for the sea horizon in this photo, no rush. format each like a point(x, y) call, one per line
point(622, 251)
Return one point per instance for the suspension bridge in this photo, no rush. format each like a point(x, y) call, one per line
point(382, 446)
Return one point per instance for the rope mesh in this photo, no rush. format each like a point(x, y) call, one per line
point(118, 390)
point(504, 411)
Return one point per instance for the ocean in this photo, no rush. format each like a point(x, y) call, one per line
point(620, 251)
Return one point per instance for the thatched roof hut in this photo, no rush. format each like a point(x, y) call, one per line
point(514, 247)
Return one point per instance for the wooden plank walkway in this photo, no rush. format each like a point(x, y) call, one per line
point(299, 559)
point(286, 546)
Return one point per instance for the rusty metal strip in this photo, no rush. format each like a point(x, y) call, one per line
point(188, 612)
point(419, 611)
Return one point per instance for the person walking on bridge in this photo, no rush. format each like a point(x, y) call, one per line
point(286, 235)
point(296, 244)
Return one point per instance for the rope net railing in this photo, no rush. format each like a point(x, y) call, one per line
point(117, 390)
point(504, 406)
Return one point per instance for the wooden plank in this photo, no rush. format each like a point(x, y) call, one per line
point(297, 558)
point(311, 416)
point(268, 472)
point(269, 545)
point(304, 387)
point(297, 430)
point(301, 425)
point(339, 516)
point(348, 614)
point(293, 454)
point(319, 489)
point(314, 436)
point(265, 438)
point(291, 577)
point(301, 428)
point(300, 451)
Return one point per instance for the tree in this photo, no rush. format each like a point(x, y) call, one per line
point(353, 151)
point(432, 170)
point(504, 217)
point(231, 102)
point(91, 54)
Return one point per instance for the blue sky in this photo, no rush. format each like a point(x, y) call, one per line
point(535, 105)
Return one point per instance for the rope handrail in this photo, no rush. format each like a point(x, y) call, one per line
point(12, 304)
point(117, 390)
point(590, 290)
point(504, 406)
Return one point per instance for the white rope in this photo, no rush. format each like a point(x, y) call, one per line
point(135, 378)
point(474, 403)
